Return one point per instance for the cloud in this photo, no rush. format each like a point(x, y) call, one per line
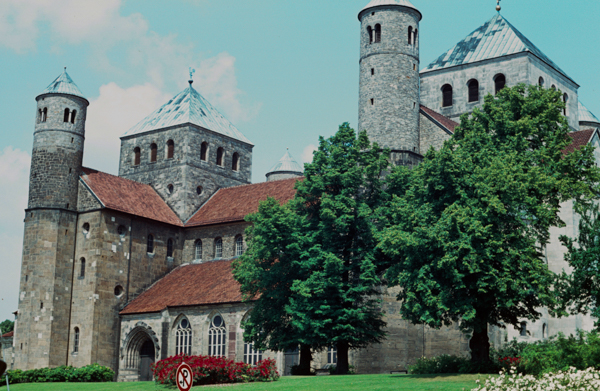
point(14, 181)
point(307, 153)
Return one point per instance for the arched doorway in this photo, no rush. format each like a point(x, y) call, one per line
point(140, 353)
point(146, 359)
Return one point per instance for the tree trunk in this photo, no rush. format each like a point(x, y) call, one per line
point(342, 365)
point(480, 345)
point(305, 359)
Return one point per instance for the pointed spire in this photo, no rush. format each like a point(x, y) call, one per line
point(286, 167)
point(63, 84)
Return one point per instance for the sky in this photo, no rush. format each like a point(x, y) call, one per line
point(284, 72)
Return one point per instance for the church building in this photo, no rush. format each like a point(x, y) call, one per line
point(130, 269)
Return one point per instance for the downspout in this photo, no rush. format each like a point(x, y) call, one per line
point(129, 260)
point(72, 284)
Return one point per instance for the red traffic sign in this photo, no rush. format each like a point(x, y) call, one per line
point(184, 377)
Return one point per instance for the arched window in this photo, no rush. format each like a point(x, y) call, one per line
point(239, 245)
point(377, 33)
point(153, 152)
point(170, 149)
point(541, 81)
point(220, 156)
point(76, 340)
point(523, 330)
point(66, 116)
point(73, 115)
point(136, 156)
point(565, 100)
point(203, 151)
point(170, 248)
point(332, 354)
point(416, 37)
point(82, 268)
point(553, 87)
point(44, 114)
point(370, 32)
point(410, 35)
point(544, 331)
point(473, 90)
point(234, 161)
point(217, 337)
point(446, 95)
point(218, 248)
point(251, 355)
point(499, 82)
point(150, 244)
point(183, 337)
point(198, 250)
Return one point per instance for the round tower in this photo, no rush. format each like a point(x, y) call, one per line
point(389, 77)
point(57, 145)
point(286, 167)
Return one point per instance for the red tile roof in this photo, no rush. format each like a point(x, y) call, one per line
point(8, 335)
point(439, 118)
point(189, 285)
point(129, 196)
point(580, 138)
point(234, 203)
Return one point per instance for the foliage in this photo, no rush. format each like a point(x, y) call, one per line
point(440, 364)
point(467, 226)
point(214, 370)
point(6, 326)
point(89, 373)
point(571, 379)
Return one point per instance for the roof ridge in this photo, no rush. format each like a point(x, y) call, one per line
point(117, 176)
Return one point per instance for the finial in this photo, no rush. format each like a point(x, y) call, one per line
point(65, 69)
point(498, 8)
point(192, 71)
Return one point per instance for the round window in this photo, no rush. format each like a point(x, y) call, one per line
point(170, 189)
point(122, 230)
point(119, 291)
point(199, 190)
point(85, 228)
point(184, 323)
point(218, 321)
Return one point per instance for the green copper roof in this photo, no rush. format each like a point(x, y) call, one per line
point(188, 107)
point(287, 163)
point(63, 84)
point(585, 115)
point(496, 38)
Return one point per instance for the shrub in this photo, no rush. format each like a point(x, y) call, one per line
point(440, 364)
point(89, 373)
point(572, 379)
point(214, 370)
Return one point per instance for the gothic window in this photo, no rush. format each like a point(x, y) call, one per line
point(153, 152)
point(136, 156)
point(170, 149)
point(183, 337)
point(377, 33)
point(220, 156)
point(170, 248)
point(251, 355)
point(76, 340)
point(150, 244)
point(332, 354)
point(239, 245)
point(446, 95)
point(499, 82)
point(565, 100)
point(66, 116)
point(410, 35)
point(73, 115)
point(44, 114)
point(203, 151)
point(217, 337)
point(523, 329)
point(541, 81)
point(82, 268)
point(370, 32)
point(218, 248)
point(235, 161)
point(198, 250)
point(473, 90)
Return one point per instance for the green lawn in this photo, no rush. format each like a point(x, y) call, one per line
point(295, 383)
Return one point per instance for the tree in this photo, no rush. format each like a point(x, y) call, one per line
point(467, 226)
point(7, 326)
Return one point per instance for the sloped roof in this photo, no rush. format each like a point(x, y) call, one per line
point(188, 285)
point(232, 204)
point(440, 119)
point(496, 38)
point(128, 196)
point(286, 163)
point(580, 138)
point(8, 335)
point(63, 84)
point(377, 3)
point(188, 107)
point(585, 115)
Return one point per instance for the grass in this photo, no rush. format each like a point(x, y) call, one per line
point(295, 383)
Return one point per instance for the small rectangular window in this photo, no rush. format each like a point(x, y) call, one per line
point(372, 71)
point(372, 102)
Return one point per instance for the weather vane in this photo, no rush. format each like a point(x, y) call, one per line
point(498, 8)
point(192, 71)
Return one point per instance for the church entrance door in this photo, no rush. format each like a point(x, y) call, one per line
point(146, 359)
point(291, 358)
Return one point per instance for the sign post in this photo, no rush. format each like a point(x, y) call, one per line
point(184, 377)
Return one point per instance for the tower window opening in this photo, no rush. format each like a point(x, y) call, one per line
point(170, 188)
point(170, 149)
point(414, 67)
point(85, 228)
point(410, 35)
point(136, 156)
point(415, 37)
point(150, 244)
point(220, 156)
point(66, 116)
point(565, 100)
point(377, 33)
point(199, 190)
point(446, 95)
point(203, 151)
point(44, 114)
point(541, 81)
point(39, 119)
point(372, 71)
point(372, 101)
point(73, 115)
point(499, 82)
point(82, 268)
point(370, 32)
point(414, 105)
point(76, 341)
point(170, 248)
point(41, 305)
point(473, 90)
point(153, 152)
point(218, 248)
point(235, 159)
point(72, 139)
point(26, 277)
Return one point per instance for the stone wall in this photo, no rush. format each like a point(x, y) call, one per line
point(208, 234)
point(431, 135)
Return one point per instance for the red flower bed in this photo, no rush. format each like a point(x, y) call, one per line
point(214, 370)
point(508, 362)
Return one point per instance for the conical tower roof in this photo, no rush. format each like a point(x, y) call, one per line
point(377, 3)
point(585, 115)
point(188, 107)
point(496, 38)
point(63, 84)
point(287, 164)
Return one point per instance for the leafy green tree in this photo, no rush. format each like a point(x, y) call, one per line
point(7, 326)
point(467, 226)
